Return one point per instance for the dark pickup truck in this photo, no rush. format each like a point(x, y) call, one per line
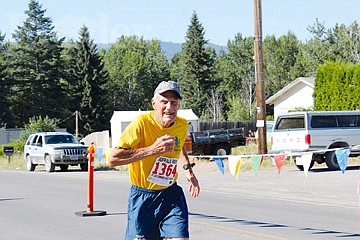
point(215, 142)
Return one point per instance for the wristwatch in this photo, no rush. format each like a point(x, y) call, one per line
point(187, 166)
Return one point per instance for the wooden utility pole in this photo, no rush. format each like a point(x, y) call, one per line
point(259, 72)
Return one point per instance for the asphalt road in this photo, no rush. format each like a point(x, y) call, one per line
point(325, 205)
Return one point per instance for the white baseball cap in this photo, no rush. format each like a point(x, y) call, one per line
point(168, 86)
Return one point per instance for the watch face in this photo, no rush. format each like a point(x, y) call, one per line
point(187, 166)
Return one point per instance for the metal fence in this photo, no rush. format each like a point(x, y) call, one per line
point(6, 135)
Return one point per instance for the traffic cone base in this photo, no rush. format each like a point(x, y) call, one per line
point(90, 214)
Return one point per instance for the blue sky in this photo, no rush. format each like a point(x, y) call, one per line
point(168, 20)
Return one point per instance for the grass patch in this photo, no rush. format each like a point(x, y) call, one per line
point(252, 149)
point(16, 162)
point(249, 149)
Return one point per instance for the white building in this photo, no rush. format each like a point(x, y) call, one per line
point(297, 94)
point(121, 119)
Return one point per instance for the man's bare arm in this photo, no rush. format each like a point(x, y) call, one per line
point(194, 187)
point(122, 156)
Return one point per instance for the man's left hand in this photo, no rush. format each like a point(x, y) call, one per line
point(194, 187)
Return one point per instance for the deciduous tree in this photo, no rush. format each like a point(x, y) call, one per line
point(135, 68)
point(235, 71)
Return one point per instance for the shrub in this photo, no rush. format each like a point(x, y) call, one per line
point(38, 124)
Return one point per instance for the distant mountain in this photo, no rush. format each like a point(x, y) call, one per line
point(103, 46)
point(170, 48)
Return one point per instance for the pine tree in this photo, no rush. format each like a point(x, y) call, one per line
point(5, 116)
point(36, 68)
point(90, 79)
point(197, 80)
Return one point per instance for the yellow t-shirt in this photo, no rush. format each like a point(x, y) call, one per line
point(143, 132)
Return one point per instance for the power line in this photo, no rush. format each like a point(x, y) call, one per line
point(67, 118)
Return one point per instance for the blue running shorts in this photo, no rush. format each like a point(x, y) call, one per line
point(155, 214)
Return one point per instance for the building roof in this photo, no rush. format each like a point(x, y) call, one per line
point(309, 81)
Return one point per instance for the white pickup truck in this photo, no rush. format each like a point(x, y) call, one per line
point(297, 132)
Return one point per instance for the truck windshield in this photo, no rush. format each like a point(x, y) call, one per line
point(55, 139)
point(290, 123)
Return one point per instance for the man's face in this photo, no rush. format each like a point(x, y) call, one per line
point(166, 106)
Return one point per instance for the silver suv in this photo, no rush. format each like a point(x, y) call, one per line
point(54, 149)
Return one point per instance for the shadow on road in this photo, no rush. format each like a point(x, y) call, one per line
point(11, 199)
point(118, 213)
point(348, 168)
point(275, 225)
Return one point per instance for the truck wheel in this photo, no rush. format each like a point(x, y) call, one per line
point(64, 167)
point(29, 165)
point(83, 166)
point(301, 167)
point(331, 160)
point(49, 166)
point(221, 150)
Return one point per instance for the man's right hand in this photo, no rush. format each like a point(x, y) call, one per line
point(163, 144)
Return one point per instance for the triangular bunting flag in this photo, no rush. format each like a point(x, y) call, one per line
point(107, 155)
point(306, 161)
point(237, 170)
point(219, 163)
point(255, 162)
point(342, 156)
point(99, 151)
point(233, 160)
point(279, 159)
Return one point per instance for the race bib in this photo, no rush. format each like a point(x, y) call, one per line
point(163, 171)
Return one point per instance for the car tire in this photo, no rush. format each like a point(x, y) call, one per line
point(49, 166)
point(221, 149)
point(29, 165)
point(64, 167)
point(331, 160)
point(83, 166)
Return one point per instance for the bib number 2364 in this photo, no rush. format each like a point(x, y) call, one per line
point(163, 171)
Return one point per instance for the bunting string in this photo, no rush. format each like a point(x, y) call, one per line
point(235, 161)
point(301, 158)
